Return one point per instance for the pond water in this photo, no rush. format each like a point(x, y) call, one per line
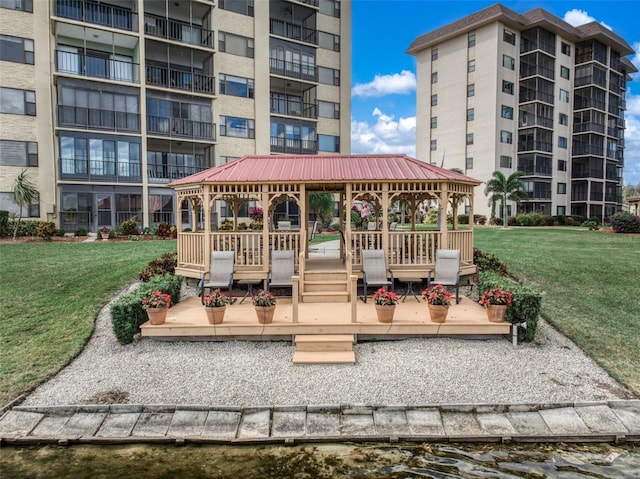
point(320, 461)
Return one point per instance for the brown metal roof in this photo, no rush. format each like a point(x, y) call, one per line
point(323, 169)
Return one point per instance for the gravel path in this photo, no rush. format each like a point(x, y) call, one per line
point(407, 372)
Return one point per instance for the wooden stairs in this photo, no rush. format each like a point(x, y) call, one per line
point(324, 349)
point(328, 286)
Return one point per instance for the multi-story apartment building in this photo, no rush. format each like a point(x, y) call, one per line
point(106, 102)
point(502, 91)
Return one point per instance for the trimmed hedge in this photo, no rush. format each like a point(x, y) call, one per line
point(127, 313)
point(526, 304)
point(625, 222)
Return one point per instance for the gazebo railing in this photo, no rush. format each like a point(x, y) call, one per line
point(408, 248)
point(462, 240)
point(191, 250)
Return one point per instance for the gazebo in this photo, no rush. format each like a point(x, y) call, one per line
point(380, 181)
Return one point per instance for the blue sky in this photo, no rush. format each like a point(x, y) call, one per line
point(383, 75)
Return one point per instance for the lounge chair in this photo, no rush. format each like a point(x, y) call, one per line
point(374, 270)
point(282, 269)
point(220, 273)
point(447, 270)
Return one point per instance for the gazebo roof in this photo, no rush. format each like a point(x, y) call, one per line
point(323, 169)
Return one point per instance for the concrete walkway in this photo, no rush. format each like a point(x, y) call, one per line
point(613, 421)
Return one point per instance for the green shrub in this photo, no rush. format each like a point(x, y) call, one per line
point(127, 313)
point(463, 219)
point(595, 219)
point(61, 232)
point(523, 219)
point(4, 224)
point(166, 264)
point(480, 219)
point(164, 230)
point(560, 219)
point(592, 225)
point(526, 304)
point(569, 221)
point(46, 229)
point(548, 220)
point(129, 227)
point(489, 262)
point(25, 227)
point(625, 222)
point(82, 231)
point(112, 233)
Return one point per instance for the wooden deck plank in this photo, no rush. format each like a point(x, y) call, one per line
point(321, 357)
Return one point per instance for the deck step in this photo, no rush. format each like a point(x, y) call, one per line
point(324, 342)
point(321, 357)
point(325, 296)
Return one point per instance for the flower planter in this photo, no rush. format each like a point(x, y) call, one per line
point(385, 312)
point(215, 314)
point(265, 314)
point(438, 313)
point(157, 315)
point(496, 312)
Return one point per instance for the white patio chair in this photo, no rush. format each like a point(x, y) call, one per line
point(282, 269)
point(220, 272)
point(447, 270)
point(374, 270)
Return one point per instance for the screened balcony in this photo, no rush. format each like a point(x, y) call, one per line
point(120, 14)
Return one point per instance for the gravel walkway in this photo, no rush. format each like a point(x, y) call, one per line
point(404, 372)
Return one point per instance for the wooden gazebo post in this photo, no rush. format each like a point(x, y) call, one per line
point(208, 205)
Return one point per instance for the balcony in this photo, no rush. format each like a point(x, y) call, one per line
point(96, 170)
point(527, 95)
point(293, 70)
point(167, 173)
point(293, 106)
point(97, 66)
point(536, 170)
point(98, 119)
point(97, 14)
point(579, 150)
point(178, 31)
point(613, 198)
point(588, 126)
point(293, 145)
point(180, 79)
point(585, 172)
point(293, 31)
point(532, 145)
point(527, 45)
point(180, 128)
point(528, 120)
point(533, 70)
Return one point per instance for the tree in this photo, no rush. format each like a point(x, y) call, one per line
point(506, 188)
point(24, 193)
point(322, 205)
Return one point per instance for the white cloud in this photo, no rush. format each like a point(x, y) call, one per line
point(632, 141)
point(635, 59)
point(577, 17)
point(397, 83)
point(386, 135)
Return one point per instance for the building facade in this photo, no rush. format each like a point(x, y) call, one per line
point(498, 90)
point(106, 102)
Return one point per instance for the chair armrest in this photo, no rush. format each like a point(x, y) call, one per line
point(364, 277)
point(391, 275)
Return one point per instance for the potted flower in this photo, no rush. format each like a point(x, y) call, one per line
point(215, 305)
point(156, 304)
point(103, 233)
point(496, 300)
point(385, 302)
point(438, 300)
point(265, 304)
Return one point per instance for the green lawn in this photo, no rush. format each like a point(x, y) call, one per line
point(50, 295)
point(591, 285)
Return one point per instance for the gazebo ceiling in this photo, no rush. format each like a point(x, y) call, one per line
point(323, 169)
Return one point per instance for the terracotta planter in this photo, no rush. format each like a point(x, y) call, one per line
point(215, 314)
point(496, 312)
point(438, 313)
point(265, 314)
point(385, 312)
point(157, 315)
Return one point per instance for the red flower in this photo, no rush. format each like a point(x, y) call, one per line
point(382, 297)
point(496, 296)
point(437, 295)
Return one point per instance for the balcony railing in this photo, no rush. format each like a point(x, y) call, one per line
point(536, 170)
point(294, 70)
point(530, 45)
point(613, 198)
point(181, 80)
point(533, 95)
point(533, 120)
point(587, 150)
point(539, 195)
point(535, 146)
point(588, 126)
point(532, 70)
point(180, 127)
point(189, 33)
point(591, 80)
point(293, 31)
point(166, 173)
point(99, 170)
point(584, 103)
point(293, 145)
point(310, 2)
point(579, 196)
point(587, 173)
point(97, 66)
point(98, 14)
point(293, 107)
point(95, 118)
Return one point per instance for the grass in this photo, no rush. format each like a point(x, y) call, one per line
point(50, 296)
point(590, 284)
point(323, 238)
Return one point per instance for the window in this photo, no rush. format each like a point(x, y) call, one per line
point(329, 143)
point(81, 154)
point(330, 7)
point(507, 87)
point(562, 165)
point(469, 163)
point(434, 77)
point(470, 114)
point(471, 89)
point(7, 203)
point(508, 62)
point(17, 102)
point(565, 48)
point(564, 95)
point(471, 66)
point(160, 209)
point(509, 37)
point(562, 142)
point(92, 109)
point(434, 100)
point(434, 122)
point(507, 112)
point(235, 44)
point(469, 138)
point(236, 86)
point(237, 127)
point(23, 5)
point(434, 54)
point(563, 119)
point(561, 210)
point(564, 72)
point(244, 7)
point(434, 145)
point(329, 76)
point(18, 153)
point(562, 188)
point(329, 41)
point(471, 40)
point(506, 136)
point(228, 159)
point(16, 49)
point(328, 109)
point(506, 161)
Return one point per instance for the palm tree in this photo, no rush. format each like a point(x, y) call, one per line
point(506, 188)
point(322, 205)
point(24, 193)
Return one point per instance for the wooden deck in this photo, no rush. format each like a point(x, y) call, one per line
point(187, 320)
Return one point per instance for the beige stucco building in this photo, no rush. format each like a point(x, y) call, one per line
point(498, 90)
point(106, 102)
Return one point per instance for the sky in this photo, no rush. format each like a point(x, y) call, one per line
point(383, 100)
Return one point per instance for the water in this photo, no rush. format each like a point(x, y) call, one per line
point(320, 461)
